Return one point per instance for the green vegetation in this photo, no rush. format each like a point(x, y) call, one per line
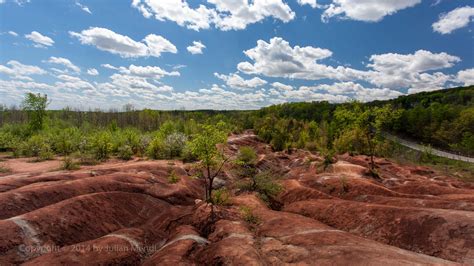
point(221, 197)
point(173, 178)
point(35, 106)
point(248, 215)
point(442, 119)
point(4, 169)
point(261, 182)
point(204, 146)
point(69, 164)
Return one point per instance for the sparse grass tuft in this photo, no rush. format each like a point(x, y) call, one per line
point(4, 169)
point(173, 178)
point(221, 197)
point(248, 215)
point(69, 164)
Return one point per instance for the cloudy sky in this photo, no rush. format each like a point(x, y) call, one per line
point(231, 54)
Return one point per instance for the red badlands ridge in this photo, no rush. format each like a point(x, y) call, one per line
point(128, 213)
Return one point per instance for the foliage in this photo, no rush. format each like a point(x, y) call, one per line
point(173, 178)
point(212, 159)
point(37, 146)
point(264, 184)
point(4, 169)
point(174, 144)
point(101, 145)
point(248, 215)
point(35, 105)
point(246, 160)
point(125, 152)
point(69, 164)
point(221, 197)
point(443, 119)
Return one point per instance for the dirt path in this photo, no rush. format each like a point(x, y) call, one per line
point(418, 147)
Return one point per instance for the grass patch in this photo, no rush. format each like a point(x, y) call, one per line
point(69, 164)
point(248, 215)
point(4, 169)
point(221, 197)
point(173, 178)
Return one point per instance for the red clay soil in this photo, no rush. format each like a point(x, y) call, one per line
point(129, 213)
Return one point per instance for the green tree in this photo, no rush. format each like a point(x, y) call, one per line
point(212, 159)
point(35, 105)
point(372, 122)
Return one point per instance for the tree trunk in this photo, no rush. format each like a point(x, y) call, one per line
point(209, 188)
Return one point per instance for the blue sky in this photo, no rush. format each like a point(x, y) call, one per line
point(230, 54)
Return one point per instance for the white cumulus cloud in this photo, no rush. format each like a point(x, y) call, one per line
point(365, 10)
point(278, 59)
point(312, 3)
point(39, 39)
point(223, 14)
point(196, 48)
point(109, 41)
point(65, 62)
point(456, 19)
point(466, 76)
point(237, 82)
point(18, 70)
point(92, 72)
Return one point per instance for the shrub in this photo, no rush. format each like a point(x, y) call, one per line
point(4, 169)
point(66, 141)
point(69, 164)
point(174, 144)
point(125, 152)
point(344, 185)
point(37, 146)
point(328, 158)
point(248, 215)
point(8, 141)
point(156, 148)
point(45, 155)
point(102, 145)
point(173, 178)
point(352, 141)
point(247, 155)
point(246, 160)
point(263, 183)
point(221, 197)
point(187, 156)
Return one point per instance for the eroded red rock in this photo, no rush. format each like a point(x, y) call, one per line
point(129, 213)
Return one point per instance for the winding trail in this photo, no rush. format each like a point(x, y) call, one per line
point(418, 147)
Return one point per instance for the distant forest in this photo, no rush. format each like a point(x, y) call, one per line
point(443, 119)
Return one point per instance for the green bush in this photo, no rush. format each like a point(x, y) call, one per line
point(8, 141)
point(101, 145)
point(187, 156)
point(245, 162)
point(125, 152)
point(173, 144)
point(69, 164)
point(66, 141)
point(264, 184)
point(173, 178)
point(248, 215)
point(37, 146)
point(156, 148)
